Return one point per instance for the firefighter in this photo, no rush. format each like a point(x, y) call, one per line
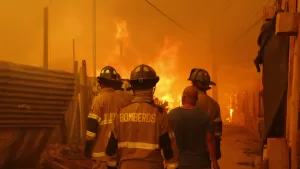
point(120, 91)
point(100, 118)
point(201, 80)
point(142, 129)
point(127, 87)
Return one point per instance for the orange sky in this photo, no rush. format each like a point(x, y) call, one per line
point(234, 37)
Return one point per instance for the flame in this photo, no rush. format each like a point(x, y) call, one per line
point(122, 33)
point(114, 58)
point(179, 100)
point(229, 119)
point(165, 64)
point(233, 105)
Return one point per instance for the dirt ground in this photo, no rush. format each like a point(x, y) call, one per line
point(239, 148)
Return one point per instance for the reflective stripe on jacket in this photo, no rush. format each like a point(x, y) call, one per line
point(138, 129)
point(103, 110)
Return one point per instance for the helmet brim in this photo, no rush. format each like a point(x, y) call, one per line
point(209, 83)
point(103, 78)
point(212, 83)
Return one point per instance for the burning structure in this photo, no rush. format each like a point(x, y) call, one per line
point(165, 64)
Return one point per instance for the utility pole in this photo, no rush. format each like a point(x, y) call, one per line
point(94, 38)
point(46, 39)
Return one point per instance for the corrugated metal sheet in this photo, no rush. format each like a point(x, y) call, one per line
point(32, 96)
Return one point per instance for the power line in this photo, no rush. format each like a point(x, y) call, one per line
point(257, 12)
point(249, 29)
point(255, 23)
point(172, 20)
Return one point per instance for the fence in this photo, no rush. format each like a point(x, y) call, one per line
point(33, 102)
point(74, 127)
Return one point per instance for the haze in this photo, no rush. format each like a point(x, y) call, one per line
point(233, 39)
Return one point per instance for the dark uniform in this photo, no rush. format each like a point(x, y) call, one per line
point(99, 124)
point(208, 104)
point(142, 129)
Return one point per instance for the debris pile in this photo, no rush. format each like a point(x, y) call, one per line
point(64, 157)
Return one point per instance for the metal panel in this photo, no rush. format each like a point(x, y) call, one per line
point(33, 96)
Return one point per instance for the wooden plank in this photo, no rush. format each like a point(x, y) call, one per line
point(293, 90)
point(287, 23)
point(277, 153)
point(74, 135)
point(290, 91)
point(63, 131)
point(83, 99)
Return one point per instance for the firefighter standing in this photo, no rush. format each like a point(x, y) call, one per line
point(201, 80)
point(142, 129)
point(100, 118)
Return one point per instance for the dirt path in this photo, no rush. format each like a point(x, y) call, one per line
point(239, 148)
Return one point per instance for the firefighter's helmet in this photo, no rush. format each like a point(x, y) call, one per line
point(201, 75)
point(108, 73)
point(143, 75)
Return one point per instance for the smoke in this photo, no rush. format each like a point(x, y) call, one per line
point(21, 33)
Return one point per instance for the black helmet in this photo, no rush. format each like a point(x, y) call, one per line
point(201, 75)
point(108, 73)
point(143, 76)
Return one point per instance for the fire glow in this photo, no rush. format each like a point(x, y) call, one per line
point(165, 64)
point(232, 105)
point(229, 119)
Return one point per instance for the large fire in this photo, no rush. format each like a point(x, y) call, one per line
point(165, 65)
point(232, 107)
